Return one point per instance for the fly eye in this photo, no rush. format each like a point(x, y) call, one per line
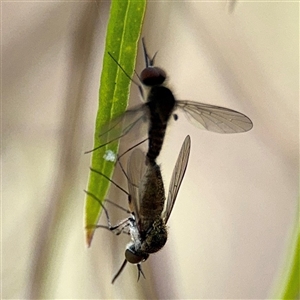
point(153, 76)
point(132, 257)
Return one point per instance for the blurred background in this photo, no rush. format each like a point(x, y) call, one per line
point(232, 225)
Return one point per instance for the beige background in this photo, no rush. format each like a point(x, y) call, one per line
point(234, 217)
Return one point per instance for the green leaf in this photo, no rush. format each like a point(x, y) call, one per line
point(291, 288)
point(123, 32)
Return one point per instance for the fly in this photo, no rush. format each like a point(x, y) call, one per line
point(160, 105)
point(148, 212)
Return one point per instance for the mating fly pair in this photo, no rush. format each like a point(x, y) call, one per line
point(148, 212)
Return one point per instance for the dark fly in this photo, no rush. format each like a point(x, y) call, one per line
point(160, 104)
point(148, 212)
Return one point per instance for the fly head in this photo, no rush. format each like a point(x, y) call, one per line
point(152, 76)
point(135, 256)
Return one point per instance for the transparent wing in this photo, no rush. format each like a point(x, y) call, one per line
point(136, 169)
point(177, 176)
point(215, 118)
point(133, 119)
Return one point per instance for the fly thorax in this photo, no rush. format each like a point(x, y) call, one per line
point(161, 101)
point(155, 238)
point(134, 233)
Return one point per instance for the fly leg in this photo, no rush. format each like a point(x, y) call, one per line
point(119, 157)
point(114, 183)
point(117, 229)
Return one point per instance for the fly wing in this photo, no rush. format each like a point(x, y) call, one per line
point(136, 169)
point(177, 176)
point(135, 119)
point(215, 118)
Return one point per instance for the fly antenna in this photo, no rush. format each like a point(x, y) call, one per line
point(140, 271)
point(152, 59)
point(146, 56)
point(148, 61)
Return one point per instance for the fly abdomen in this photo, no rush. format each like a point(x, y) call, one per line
point(161, 103)
point(156, 138)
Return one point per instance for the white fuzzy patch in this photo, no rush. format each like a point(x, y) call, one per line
point(110, 156)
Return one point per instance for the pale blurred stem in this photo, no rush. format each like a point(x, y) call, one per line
point(64, 178)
